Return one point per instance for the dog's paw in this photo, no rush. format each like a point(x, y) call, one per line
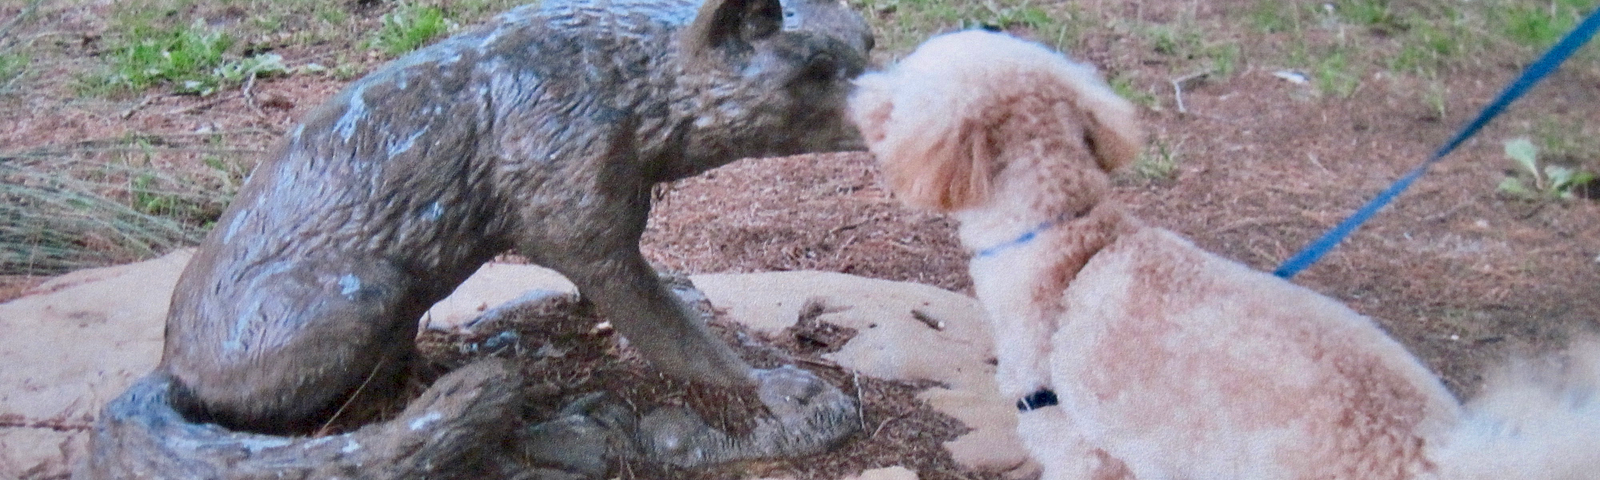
point(585, 438)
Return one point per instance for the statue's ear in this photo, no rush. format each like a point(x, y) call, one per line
point(731, 24)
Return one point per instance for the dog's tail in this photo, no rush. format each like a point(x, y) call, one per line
point(1536, 420)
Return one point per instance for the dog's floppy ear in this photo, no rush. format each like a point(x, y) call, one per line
point(1112, 126)
point(870, 105)
point(933, 155)
point(951, 167)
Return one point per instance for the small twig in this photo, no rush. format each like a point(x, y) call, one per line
point(217, 151)
point(249, 96)
point(841, 228)
point(199, 106)
point(885, 423)
point(819, 363)
point(115, 142)
point(1253, 222)
point(861, 414)
point(1314, 161)
point(53, 424)
point(125, 138)
point(1177, 87)
point(325, 425)
point(1445, 214)
point(126, 114)
point(926, 319)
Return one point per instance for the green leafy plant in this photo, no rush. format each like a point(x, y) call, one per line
point(409, 27)
point(1549, 181)
point(1125, 88)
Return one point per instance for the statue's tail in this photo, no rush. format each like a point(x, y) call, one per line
point(452, 431)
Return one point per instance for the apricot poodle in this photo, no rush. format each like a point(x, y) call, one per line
point(1135, 354)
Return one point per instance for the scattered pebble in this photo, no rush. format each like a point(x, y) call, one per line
point(1292, 76)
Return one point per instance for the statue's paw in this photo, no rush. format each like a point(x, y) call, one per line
point(585, 439)
point(809, 416)
point(795, 395)
point(540, 301)
point(677, 436)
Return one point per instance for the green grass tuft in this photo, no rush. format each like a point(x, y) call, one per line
point(1535, 25)
point(1336, 75)
point(192, 59)
point(183, 57)
point(1273, 16)
point(409, 27)
point(12, 67)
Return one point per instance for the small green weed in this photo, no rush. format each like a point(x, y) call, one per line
point(1374, 14)
point(1007, 17)
point(1536, 25)
point(1435, 98)
point(409, 27)
point(1273, 16)
point(1125, 88)
point(1424, 51)
point(1335, 75)
point(902, 24)
point(1549, 181)
point(12, 66)
point(1175, 40)
point(1157, 163)
point(1224, 59)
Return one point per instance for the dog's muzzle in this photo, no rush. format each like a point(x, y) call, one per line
point(1037, 400)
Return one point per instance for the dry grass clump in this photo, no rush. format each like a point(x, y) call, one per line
point(59, 213)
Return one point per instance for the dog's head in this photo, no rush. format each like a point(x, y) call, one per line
point(940, 121)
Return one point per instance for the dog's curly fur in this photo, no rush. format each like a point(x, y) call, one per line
point(1168, 361)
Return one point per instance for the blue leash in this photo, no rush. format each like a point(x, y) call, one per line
point(1530, 77)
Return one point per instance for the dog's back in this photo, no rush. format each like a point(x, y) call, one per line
point(1186, 365)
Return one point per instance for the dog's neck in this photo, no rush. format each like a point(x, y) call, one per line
point(1029, 199)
